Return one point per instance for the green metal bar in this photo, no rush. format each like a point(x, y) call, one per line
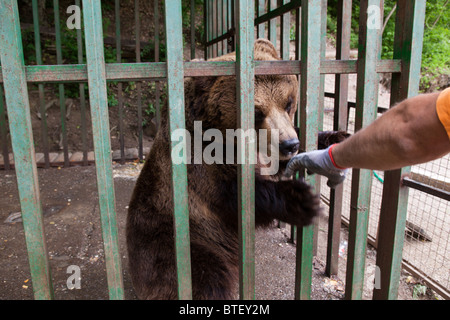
point(344, 15)
point(323, 44)
point(219, 27)
point(192, 29)
point(244, 12)
point(175, 83)
point(309, 106)
point(102, 144)
point(297, 47)
point(260, 26)
point(11, 54)
point(272, 23)
point(157, 83)
point(408, 47)
point(3, 132)
point(82, 95)
point(157, 70)
point(214, 26)
point(62, 99)
point(139, 84)
point(119, 85)
point(225, 24)
point(285, 33)
point(37, 44)
point(366, 111)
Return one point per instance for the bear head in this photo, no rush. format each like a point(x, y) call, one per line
point(212, 100)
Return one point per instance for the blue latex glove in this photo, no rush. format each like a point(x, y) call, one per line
point(320, 162)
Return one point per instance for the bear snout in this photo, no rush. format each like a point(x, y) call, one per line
point(289, 148)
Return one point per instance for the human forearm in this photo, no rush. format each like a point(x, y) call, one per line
point(407, 134)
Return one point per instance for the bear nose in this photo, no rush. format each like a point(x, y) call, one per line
point(289, 147)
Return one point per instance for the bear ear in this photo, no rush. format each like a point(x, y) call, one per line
point(265, 50)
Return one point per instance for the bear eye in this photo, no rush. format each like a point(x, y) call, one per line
point(259, 116)
point(288, 107)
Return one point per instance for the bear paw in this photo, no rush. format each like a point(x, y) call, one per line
point(301, 203)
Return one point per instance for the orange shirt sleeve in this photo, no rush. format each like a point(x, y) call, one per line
point(443, 109)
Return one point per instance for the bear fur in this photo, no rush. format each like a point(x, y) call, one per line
point(213, 189)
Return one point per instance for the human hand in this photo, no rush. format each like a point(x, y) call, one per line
point(320, 162)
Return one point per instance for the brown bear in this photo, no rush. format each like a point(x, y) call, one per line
point(213, 189)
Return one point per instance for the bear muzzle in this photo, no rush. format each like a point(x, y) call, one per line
point(289, 148)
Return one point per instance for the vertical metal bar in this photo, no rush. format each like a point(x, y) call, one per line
point(175, 83)
point(261, 27)
point(62, 99)
point(208, 29)
point(192, 29)
point(102, 144)
point(139, 83)
point(245, 14)
point(214, 27)
point(285, 34)
point(366, 111)
point(407, 47)
point(225, 24)
point(14, 81)
point(309, 102)
point(219, 27)
point(157, 83)
point(37, 44)
point(344, 15)
point(82, 96)
point(323, 48)
point(206, 26)
point(297, 116)
point(3, 132)
point(273, 24)
point(119, 85)
point(231, 8)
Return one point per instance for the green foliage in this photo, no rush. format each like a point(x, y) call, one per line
point(436, 42)
point(186, 16)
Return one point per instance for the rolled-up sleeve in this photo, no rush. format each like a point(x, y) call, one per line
point(443, 109)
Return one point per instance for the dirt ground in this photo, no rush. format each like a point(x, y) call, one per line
point(72, 218)
point(73, 234)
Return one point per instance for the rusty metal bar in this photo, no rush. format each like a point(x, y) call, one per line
point(176, 102)
point(119, 85)
point(157, 70)
point(100, 127)
point(311, 20)
point(244, 12)
point(408, 44)
point(37, 44)
point(82, 97)
point(344, 15)
point(366, 107)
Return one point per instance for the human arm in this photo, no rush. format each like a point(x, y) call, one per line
point(407, 134)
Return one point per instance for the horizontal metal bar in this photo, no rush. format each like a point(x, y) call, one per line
point(407, 182)
point(230, 33)
point(157, 70)
point(294, 4)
